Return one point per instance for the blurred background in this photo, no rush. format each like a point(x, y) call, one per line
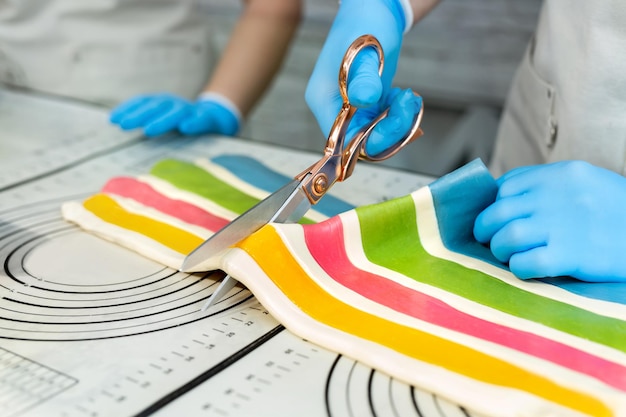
point(460, 58)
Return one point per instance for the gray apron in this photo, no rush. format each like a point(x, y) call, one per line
point(568, 97)
point(104, 51)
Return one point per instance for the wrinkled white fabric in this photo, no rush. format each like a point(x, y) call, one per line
point(568, 97)
point(105, 51)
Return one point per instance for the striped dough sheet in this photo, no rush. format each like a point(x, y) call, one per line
point(401, 286)
point(167, 213)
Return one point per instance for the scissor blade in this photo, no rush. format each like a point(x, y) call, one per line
point(227, 284)
point(288, 204)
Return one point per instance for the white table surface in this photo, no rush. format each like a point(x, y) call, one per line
point(228, 361)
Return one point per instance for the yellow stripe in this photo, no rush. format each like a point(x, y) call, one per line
point(110, 211)
point(269, 252)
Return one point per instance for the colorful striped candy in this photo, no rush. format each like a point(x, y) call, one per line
point(401, 286)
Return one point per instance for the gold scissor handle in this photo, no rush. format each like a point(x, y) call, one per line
point(355, 149)
point(338, 162)
point(362, 42)
point(413, 133)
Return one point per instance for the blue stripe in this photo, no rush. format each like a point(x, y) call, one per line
point(606, 291)
point(255, 173)
point(459, 197)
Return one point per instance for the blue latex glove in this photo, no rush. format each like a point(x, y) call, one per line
point(161, 113)
point(385, 20)
point(561, 219)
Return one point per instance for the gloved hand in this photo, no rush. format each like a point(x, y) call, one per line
point(161, 113)
point(561, 219)
point(386, 20)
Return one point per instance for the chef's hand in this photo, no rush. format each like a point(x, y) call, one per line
point(161, 113)
point(561, 219)
point(371, 93)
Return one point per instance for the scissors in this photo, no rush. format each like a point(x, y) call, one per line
point(293, 200)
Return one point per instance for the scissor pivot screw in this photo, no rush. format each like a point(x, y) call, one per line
point(320, 184)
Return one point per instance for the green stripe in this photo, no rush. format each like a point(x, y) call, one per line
point(189, 177)
point(390, 239)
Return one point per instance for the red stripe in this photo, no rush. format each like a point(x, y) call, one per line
point(326, 245)
point(148, 196)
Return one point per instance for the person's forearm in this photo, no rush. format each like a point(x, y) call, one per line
point(255, 51)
